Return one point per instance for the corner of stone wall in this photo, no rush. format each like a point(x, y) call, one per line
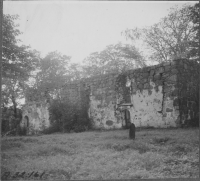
point(35, 116)
point(157, 92)
point(188, 91)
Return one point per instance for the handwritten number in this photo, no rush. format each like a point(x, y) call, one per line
point(16, 175)
point(22, 174)
point(42, 174)
point(30, 174)
point(36, 174)
point(6, 175)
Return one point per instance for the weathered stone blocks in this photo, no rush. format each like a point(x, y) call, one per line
point(152, 72)
point(157, 77)
point(35, 117)
point(160, 70)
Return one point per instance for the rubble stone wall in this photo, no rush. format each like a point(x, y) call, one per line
point(151, 91)
point(163, 95)
point(102, 106)
point(35, 117)
point(188, 94)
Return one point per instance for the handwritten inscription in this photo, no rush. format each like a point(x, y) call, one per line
point(9, 175)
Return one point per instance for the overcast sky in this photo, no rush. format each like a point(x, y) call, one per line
point(79, 28)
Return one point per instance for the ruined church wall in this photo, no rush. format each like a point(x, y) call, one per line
point(37, 114)
point(102, 105)
point(188, 86)
point(71, 93)
point(157, 96)
point(151, 92)
point(96, 97)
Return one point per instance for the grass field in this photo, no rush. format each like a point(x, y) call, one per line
point(155, 153)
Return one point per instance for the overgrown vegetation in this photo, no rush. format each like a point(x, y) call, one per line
point(67, 116)
point(155, 153)
point(10, 121)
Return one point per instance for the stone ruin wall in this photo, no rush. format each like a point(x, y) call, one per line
point(35, 117)
point(100, 92)
point(151, 90)
point(188, 90)
point(103, 99)
point(164, 95)
point(156, 96)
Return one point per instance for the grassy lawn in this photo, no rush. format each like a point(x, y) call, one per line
point(155, 153)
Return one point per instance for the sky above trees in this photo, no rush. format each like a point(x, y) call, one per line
point(80, 28)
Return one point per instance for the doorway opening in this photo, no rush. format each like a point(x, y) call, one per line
point(127, 119)
point(26, 125)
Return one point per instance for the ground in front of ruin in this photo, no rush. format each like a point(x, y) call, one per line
point(155, 153)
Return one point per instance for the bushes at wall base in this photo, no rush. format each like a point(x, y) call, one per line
point(54, 128)
point(192, 122)
point(22, 131)
point(77, 125)
point(4, 126)
point(82, 125)
point(80, 128)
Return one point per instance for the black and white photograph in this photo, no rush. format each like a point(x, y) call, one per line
point(100, 90)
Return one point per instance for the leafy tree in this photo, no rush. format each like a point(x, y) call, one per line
point(52, 73)
point(55, 71)
point(194, 16)
point(113, 59)
point(170, 38)
point(93, 65)
point(17, 60)
point(75, 72)
point(17, 63)
point(10, 121)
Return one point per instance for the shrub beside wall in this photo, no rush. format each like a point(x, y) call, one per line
point(71, 112)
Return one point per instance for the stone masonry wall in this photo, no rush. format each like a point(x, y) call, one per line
point(151, 92)
point(102, 107)
point(102, 99)
point(188, 94)
point(35, 117)
point(163, 95)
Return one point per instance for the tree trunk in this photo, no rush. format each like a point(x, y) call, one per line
point(16, 121)
point(14, 106)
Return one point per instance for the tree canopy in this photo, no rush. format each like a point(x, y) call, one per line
point(173, 37)
point(194, 15)
point(52, 71)
point(113, 59)
point(18, 61)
